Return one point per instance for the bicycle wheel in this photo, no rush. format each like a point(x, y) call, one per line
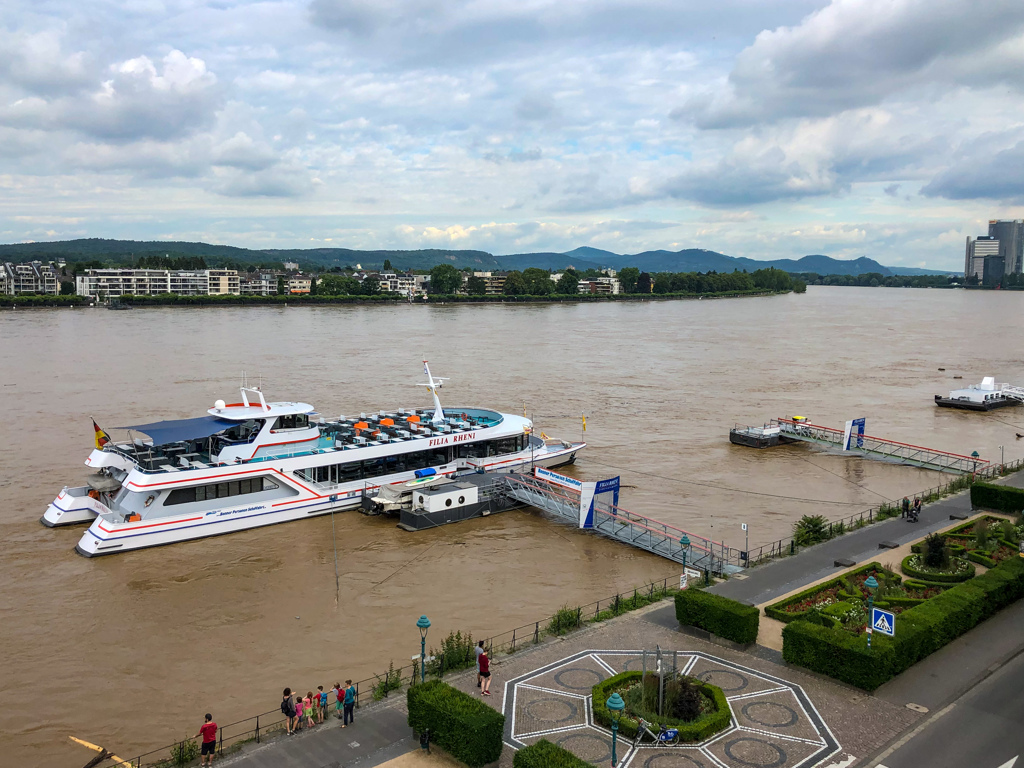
point(672, 741)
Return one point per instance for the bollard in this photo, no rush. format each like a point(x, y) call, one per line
point(425, 740)
point(257, 729)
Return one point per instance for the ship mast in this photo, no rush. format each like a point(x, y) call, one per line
point(434, 384)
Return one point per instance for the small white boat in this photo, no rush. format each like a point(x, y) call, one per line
point(254, 463)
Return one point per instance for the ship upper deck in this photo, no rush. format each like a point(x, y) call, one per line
point(342, 434)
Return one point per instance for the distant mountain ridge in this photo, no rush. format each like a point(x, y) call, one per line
point(584, 257)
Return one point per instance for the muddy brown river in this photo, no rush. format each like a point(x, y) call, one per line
point(130, 650)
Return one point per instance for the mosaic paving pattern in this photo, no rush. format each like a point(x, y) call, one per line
point(774, 724)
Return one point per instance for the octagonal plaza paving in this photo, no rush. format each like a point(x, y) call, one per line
point(774, 723)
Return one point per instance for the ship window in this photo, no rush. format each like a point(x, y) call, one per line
point(219, 491)
point(293, 421)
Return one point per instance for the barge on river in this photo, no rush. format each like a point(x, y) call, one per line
point(986, 396)
point(254, 463)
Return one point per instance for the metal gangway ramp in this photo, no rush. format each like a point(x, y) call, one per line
point(879, 448)
point(1017, 393)
point(685, 548)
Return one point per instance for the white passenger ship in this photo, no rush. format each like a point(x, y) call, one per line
point(255, 463)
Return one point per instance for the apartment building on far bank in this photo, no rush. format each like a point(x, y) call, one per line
point(33, 277)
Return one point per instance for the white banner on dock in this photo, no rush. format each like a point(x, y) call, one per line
point(857, 424)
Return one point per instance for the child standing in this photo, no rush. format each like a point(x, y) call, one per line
point(310, 709)
point(323, 704)
point(299, 707)
point(339, 700)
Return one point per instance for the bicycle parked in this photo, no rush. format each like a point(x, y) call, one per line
point(666, 737)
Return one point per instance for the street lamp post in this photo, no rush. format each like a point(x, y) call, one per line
point(1002, 460)
point(424, 624)
point(684, 542)
point(615, 705)
point(871, 583)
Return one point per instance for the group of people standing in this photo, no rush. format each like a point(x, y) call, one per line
point(911, 513)
point(312, 709)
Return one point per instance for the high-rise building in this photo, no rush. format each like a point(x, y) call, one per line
point(983, 261)
point(1010, 234)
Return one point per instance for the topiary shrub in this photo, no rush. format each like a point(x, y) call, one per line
point(935, 554)
point(719, 615)
point(465, 727)
point(544, 754)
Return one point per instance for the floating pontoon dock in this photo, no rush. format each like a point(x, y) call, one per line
point(798, 429)
point(432, 502)
point(983, 397)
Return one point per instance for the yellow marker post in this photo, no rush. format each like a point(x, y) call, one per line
point(113, 758)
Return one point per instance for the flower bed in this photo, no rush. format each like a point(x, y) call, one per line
point(715, 714)
point(828, 593)
point(960, 570)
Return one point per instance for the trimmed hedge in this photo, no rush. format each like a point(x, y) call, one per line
point(719, 615)
point(544, 754)
point(465, 727)
point(920, 630)
point(1001, 497)
point(698, 730)
point(976, 557)
point(775, 610)
point(936, 578)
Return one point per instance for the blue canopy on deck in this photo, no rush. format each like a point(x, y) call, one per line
point(164, 432)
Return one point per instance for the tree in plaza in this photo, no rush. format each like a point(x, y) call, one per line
point(514, 283)
point(445, 279)
point(567, 282)
point(644, 283)
point(628, 277)
point(538, 281)
point(475, 286)
point(387, 265)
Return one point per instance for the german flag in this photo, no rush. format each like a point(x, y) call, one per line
point(102, 438)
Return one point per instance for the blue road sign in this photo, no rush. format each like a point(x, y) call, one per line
point(883, 621)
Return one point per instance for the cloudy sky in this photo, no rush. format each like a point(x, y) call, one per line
point(759, 128)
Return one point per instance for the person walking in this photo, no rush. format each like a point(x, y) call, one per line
point(288, 710)
point(309, 704)
point(339, 700)
point(322, 695)
point(917, 508)
point(479, 650)
point(905, 508)
point(485, 674)
point(350, 704)
point(208, 731)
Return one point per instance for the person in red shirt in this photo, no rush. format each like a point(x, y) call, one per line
point(209, 733)
point(485, 674)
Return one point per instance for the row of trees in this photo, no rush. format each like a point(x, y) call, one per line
point(877, 279)
point(446, 279)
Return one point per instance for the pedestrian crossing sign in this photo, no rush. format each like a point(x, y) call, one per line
point(883, 621)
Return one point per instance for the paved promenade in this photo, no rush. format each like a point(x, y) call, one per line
point(787, 717)
point(772, 580)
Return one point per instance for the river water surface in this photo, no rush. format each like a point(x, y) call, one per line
point(130, 650)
